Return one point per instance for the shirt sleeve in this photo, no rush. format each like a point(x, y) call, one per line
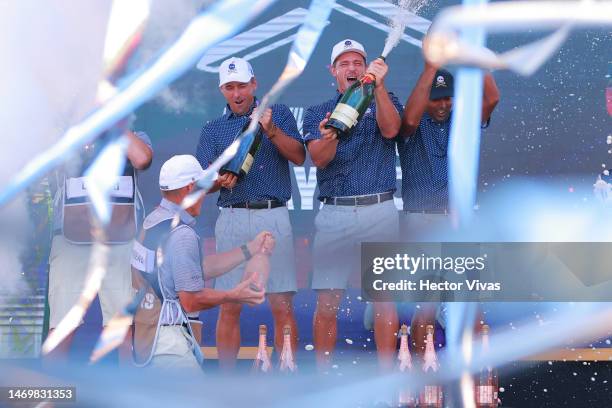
point(311, 125)
point(205, 152)
point(284, 119)
point(396, 103)
point(486, 124)
point(186, 267)
point(145, 138)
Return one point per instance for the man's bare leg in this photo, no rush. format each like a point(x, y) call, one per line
point(228, 335)
point(325, 324)
point(282, 311)
point(386, 326)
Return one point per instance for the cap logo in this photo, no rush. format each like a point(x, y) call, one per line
point(440, 81)
point(231, 68)
point(348, 43)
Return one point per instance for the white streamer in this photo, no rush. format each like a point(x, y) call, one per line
point(443, 45)
point(114, 332)
point(225, 18)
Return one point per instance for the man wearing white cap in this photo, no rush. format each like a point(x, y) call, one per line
point(356, 180)
point(171, 243)
point(254, 202)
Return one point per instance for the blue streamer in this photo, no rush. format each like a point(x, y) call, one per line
point(464, 147)
point(225, 18)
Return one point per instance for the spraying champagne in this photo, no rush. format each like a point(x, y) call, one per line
point(353, 104)
point(359, 95)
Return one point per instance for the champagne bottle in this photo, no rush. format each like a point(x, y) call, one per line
point(352, 105)
point(487, 382)
point(287, 362)
point(241, 163)
point(406, 396)
point(431, 395)
point(262, 359)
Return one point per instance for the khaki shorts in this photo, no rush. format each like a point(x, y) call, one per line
point(415, 227)
point(68, 269)
point(340, 232)
point(173, 350)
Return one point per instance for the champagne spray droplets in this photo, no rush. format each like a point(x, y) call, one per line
point(398, 23)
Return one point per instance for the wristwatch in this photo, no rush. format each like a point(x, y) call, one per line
point(246, 252)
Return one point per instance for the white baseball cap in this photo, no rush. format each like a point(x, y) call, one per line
point(235, 69)
point(179, 171)
point(346, 46)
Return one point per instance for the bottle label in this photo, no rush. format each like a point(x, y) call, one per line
point(486, 394)
point(345, 114)
point(432, 395)
point(406, 398)
point(248, 162)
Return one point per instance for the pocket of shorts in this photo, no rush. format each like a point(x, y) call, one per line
point(177, 344)
point(283, 225)
point(320, 218)
point(223, 224)
point(332, 220)
point(390, 219)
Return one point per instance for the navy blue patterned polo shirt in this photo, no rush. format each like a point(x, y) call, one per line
point(269, 177)
point(424, 161)
point(364, 162)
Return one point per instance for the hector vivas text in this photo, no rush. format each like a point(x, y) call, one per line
point(432, 265)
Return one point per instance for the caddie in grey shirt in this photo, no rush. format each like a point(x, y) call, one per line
point(182, 269)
